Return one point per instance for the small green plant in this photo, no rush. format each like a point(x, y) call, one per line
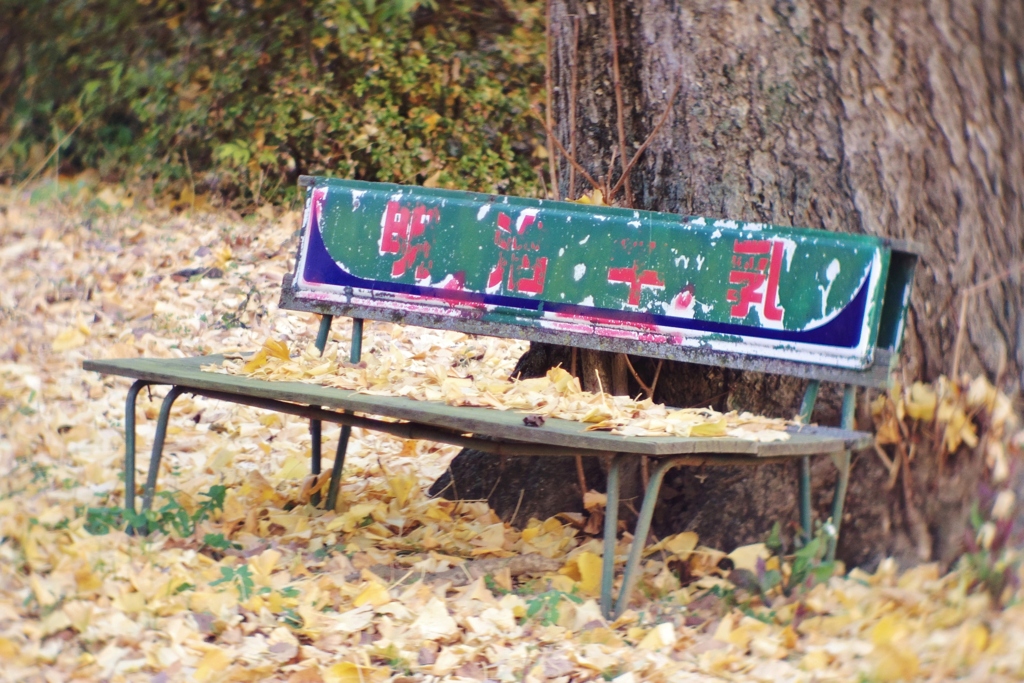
point(493, 586)
point(241, 577)
point(392, 656)
point(545, 606)
point(171, 516)
point(808, 564)
point(291, 618)
point(807, 567)
point(991, 561)
point(219, 542)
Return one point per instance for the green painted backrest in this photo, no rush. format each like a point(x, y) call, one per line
point(794, 301)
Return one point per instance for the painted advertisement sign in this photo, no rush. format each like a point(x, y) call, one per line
point(751, 288)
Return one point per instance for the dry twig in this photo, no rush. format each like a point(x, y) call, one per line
point(42, 164)
point(965, 298)
point(573, 68)
point(549, 121)
point(562, 150)
point(619, 114)
point(650, 138)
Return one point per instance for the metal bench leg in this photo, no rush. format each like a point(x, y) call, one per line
point(339, 465)
point(316, 440)
point(643, 527)
point(346, 431)
point(129, 443)
point(158, 447)
point(315, 426)
point(806, 517)
point(611, 524)
point(843, 465)
point(806, 408)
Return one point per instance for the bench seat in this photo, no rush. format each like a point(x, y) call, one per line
point(448, 424)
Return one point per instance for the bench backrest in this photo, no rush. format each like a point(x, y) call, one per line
point(793, 301)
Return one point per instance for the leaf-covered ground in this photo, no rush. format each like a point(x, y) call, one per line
point(244, 580)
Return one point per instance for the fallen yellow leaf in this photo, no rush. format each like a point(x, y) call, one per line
point(67, 339)
point(374, 594)
point(256, 362)
point(662, 635)
point(681, 544)
point(347, 672)
point(213, 661)
point(746, 556)
point(401, 486)
point(590, 572)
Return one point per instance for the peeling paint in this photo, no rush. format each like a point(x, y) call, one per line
point(830, 276)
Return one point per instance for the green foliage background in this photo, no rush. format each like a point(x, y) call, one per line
point(239, 97)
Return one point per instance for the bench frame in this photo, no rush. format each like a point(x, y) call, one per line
point(837, 443)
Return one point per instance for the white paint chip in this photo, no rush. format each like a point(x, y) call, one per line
point(831, 272)
point(578, 271)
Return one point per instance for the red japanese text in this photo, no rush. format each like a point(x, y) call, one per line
point(515, 269)
point(636, 280)
point(757, 265)
point(402, 232)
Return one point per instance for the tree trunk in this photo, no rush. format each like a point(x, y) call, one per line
point(904, 121)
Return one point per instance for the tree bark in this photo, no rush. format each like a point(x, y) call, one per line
point(904, 121)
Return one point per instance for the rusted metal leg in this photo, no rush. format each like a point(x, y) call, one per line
point(129, 443)
point(339, 465)
point(806, 521)
point(611, 523)
point(843, 465)
point(158, 447)
point(643, 527)
point(323, 332)
point(806, 517)
point(346, 431)
point(316, 440)
point(315, 426)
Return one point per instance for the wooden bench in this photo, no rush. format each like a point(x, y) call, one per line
point(806, 303)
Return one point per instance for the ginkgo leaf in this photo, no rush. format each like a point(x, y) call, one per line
point(375, 594)
point(347, 672)
point(276, 349)
point(402, 485)
point(434, 622)
point(256, 362)
point(67, 339)
point(590, 572)
point(746, 557)
point(213, 662)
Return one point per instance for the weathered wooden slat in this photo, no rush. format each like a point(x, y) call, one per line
point(482, 422)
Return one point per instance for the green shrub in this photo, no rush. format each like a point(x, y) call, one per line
point(239, 97)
